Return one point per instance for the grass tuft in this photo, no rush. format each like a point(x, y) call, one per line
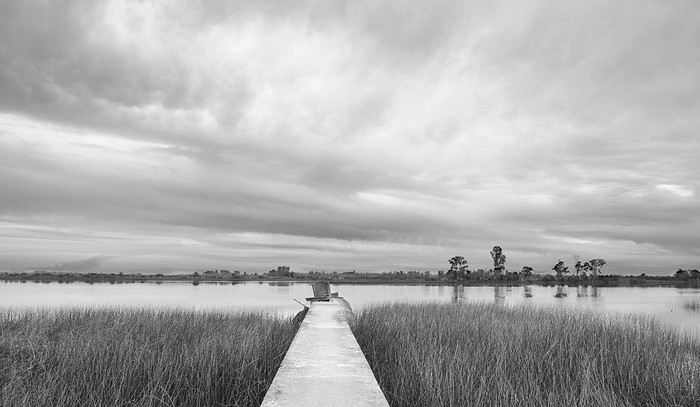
point(487, 355)
point(139, 357)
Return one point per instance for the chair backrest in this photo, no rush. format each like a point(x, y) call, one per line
point(321, 289)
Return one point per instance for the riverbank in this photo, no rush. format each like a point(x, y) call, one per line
point(485, 355)
point(138, 357)
point(535, 280)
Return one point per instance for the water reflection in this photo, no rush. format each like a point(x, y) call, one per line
point(587, 291)
point(692, 306)
point(458, 293)
point(561, 292)
point(499, 294)
point(670, 305)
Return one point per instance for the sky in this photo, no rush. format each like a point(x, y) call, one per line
point(369, 135)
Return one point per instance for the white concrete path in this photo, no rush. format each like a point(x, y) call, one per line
point(324, 366)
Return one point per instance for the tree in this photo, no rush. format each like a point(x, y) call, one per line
point(596, 265)
point(458, 267)
point(578, 267)
point(499, 260)
point(560, 268)
point(586, 268)
point(689, 273)
point(526, 271)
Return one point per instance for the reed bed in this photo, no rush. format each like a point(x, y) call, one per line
point(139, 357)
point(489, 355)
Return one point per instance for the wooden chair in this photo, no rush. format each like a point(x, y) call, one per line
point(322, 291)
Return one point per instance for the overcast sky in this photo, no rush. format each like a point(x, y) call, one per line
point(180, 136)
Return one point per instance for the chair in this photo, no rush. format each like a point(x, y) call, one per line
point(322, 291)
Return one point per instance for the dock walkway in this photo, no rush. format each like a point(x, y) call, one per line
point(324, 365)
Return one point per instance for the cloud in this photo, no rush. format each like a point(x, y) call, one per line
point(676, 190)
point(372, 127)
point(76, 266)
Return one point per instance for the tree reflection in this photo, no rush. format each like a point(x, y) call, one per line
point(499, 294)
point(561, 292)
point(582, 291)
point(587, 291)
point(458, 293)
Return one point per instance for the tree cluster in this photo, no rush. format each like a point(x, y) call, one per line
point(459, 269)
point(593, 267)
point(688, 274)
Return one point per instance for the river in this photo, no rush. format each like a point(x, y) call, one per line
point(671, 306)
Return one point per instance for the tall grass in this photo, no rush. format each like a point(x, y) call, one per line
point(486, 355)
point(139, 357)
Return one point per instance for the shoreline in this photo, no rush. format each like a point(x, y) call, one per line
point(546, 280)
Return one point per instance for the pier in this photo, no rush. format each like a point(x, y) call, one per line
point(324, 365)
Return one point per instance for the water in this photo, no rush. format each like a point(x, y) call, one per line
point(669, 305)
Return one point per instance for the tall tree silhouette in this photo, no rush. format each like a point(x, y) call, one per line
point(458, 267)
point(499, 260)
point(596, 266)
point(560, 268)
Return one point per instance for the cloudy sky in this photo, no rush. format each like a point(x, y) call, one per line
point(174, 136)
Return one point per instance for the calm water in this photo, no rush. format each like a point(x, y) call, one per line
point(667, 304)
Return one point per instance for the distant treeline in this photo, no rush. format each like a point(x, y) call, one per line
point(458, 273)
point(283, 273)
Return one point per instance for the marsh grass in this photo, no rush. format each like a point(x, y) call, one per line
point(488, 355)
point(139, 357)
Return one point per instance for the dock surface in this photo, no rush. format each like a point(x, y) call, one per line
point(324, 365)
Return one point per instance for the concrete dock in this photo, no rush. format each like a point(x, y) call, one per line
point(324, 365)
